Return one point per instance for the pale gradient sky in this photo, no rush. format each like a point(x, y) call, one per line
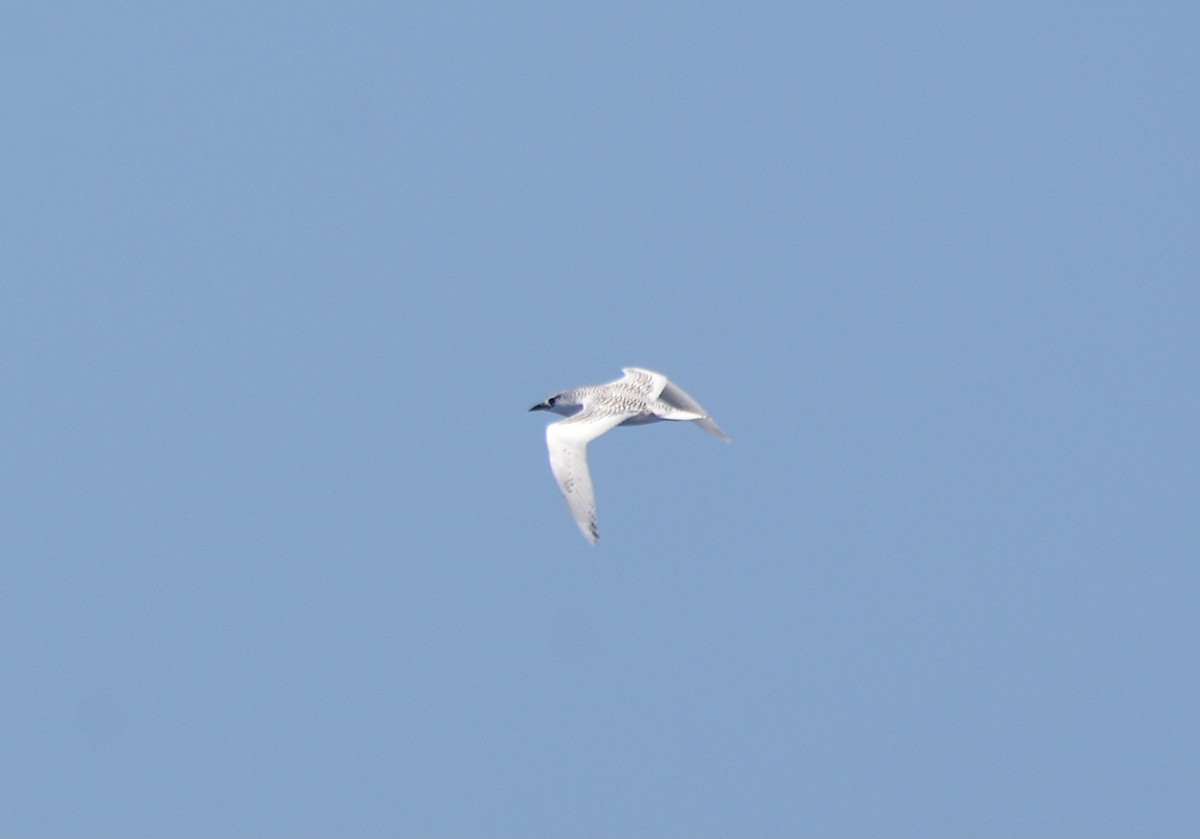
point(281, 551)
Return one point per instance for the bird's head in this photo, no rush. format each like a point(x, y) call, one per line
point(559, 403)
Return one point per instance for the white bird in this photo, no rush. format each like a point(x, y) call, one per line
point(639, 397)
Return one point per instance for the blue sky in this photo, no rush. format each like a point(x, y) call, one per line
point(281, 549)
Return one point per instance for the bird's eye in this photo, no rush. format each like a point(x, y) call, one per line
point(551, 400)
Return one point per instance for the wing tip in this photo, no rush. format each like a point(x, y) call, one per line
point(710, 425)
point(590, 532)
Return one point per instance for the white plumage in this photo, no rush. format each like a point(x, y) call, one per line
point(639, 397)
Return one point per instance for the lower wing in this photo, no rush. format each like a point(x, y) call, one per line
point(567, 441)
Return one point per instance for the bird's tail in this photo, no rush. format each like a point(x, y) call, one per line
point(669, 412)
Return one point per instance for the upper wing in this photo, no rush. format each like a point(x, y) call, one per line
point(644, 381)
point(676, 397)
point(567, 441)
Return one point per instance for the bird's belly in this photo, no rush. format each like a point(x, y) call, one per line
point(641, 419)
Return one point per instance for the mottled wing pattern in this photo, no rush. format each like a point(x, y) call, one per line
point(646, 382)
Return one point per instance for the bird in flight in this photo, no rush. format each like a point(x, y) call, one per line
point(639, 397)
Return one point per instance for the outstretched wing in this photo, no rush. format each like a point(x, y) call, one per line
point(676, 397)
point(567, 441)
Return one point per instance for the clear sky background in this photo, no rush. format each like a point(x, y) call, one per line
point(281, 550)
